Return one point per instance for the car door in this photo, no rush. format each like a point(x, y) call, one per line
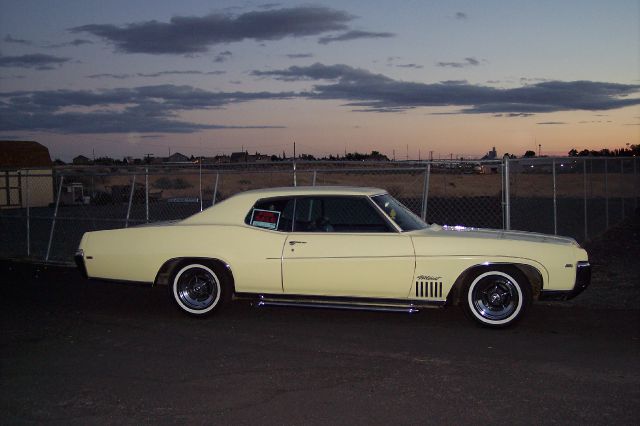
point(343, 246)
point(257, 262)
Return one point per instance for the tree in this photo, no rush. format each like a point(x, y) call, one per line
point(573, 152)
point(529, 154)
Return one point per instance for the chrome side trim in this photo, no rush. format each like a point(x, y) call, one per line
point(335, 302)
point(409, 310)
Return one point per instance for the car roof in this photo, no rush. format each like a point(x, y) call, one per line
point(313, 190)
point(234, 209)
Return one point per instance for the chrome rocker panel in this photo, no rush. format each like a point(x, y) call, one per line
point(348, 303)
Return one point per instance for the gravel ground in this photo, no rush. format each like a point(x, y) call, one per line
point(95, 352)
point(615, 256)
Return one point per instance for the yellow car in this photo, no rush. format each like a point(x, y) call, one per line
point(337, 247)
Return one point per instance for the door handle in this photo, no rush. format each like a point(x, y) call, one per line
point(292, 243)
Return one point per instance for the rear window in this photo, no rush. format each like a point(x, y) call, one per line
point(274, 214)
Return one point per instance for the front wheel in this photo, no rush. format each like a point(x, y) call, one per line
point(198, 288)
point(497, 298)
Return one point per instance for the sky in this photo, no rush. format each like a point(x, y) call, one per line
point(406, 78)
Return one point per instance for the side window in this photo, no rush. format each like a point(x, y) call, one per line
point(274, 214)
point(338, 214)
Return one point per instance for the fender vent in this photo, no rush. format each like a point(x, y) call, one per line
point(429, 289)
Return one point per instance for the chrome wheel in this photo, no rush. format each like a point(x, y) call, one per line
point(196, 289)
point(495, 298)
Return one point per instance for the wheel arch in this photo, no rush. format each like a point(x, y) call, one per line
point(531, 274)
point(167, 268)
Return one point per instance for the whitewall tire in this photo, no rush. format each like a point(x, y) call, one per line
point(196, 288)
point(497, 298)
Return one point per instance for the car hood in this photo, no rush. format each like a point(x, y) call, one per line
point(494, 234)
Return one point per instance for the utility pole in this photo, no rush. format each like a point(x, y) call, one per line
point(539, 149)
point(430, 155)
point(294, 150)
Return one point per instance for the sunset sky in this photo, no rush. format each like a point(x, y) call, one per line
point(120, 78)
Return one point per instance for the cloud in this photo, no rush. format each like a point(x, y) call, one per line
point(110, 75)
point(514, 114)
point(461, 16)
point(195, 34)
point(268, 5)
point(15, 76)
point(320, 71)
point(299, 55)
point(223, 56)
point(551, 123)
point(468, 62)
point(154, 74)
point(376, 92)
point(354, 35)
point(185, 72)
point(415, 66)
point(9, 39)
point(144, 109)
point(36, 61)
point(76, 42)
point(127, 121)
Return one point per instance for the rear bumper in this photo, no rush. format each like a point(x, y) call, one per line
point(583, 279)
point(79, 259)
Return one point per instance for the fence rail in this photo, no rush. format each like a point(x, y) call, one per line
point(43, 213)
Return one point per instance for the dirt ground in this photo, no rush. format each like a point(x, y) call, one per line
point(78, 352)
point(615, 257)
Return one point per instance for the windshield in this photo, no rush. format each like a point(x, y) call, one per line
point(402, 216)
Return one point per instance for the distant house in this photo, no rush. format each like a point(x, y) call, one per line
point(491, 155)
point(218, 159)
point(259, 158)
point(240, 157)
point(80, 160)
point(177, 158)
point(26, 174)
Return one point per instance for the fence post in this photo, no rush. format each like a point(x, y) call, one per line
point(586, 229)
point(622, 183)
point(55, 215)
point(146, 191)
point(215, 189)
point(200, 181)
point(635, 184)
point(507, 197)
point(315, 174)
point(555, 199)
point(425, 191)
point(606, 194)
point(28, 214)
point(295, 177)
point(133, 185)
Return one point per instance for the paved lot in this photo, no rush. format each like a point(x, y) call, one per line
point(75, 352)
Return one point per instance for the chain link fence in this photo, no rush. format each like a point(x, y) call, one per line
point(44, 213)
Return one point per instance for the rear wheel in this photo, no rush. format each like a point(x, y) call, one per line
point(497, 298)
point(198, 288)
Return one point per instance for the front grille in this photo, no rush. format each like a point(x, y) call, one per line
point(429, 289)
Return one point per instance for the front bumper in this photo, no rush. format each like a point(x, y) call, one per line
point(79, 259)
point(583, 279)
